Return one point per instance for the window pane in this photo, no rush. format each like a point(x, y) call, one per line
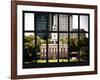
point(63, 47)
point(50, 22)
point(52, 47)
point(41, 20)
point(29, 54)
point(73, 47)
point(83, 23)
point(74, 23)
point(84, 47)
point(63, 22)
point(53, 18)
point(29, 21)
point(41, 47)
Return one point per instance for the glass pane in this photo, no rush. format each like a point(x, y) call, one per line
point(63, 22)
point(41, 20)
point(41, 47)
point(73, 47)
point(74, 23)
point(84, 23)
point(84, 47)
point(63, 47)
point(29, 54)
point(50, 22)
point(29, 21)
point(52, 47)
point(53, 22)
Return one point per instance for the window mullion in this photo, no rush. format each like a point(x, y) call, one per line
point(35, 38)
point(58, 36)
point(47, 38)
point(68, 37)
point(88, 37)
point(23, 34)
point(78, 37)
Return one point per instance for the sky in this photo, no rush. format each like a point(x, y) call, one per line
point(83, 22)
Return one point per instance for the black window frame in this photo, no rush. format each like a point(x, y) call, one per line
point(47, 64)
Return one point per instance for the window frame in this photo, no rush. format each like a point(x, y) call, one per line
point(58, 64)
point(14, 38)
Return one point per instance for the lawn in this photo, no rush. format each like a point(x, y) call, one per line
point(55, 60)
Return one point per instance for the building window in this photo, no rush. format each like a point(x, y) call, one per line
point(55, 39)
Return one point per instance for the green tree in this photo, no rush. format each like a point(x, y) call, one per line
point(72, 44)
point(64, 40)
point(29, 38)
point(84, 42)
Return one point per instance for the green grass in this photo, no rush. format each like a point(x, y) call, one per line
point(55, 60)
point(51, 60)
point(41, 61)
point(71, 60)
point(63, 60)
